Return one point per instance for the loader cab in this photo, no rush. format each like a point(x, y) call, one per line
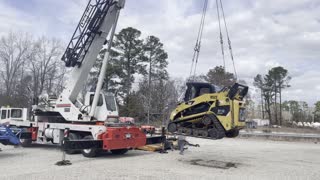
point(106, 110)
point(195, 89)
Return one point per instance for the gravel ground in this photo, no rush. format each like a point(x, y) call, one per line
point(220, 159)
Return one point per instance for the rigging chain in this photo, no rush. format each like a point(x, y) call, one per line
point(227, 33)
point(198, 42)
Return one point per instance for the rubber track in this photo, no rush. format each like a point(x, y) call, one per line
point(217, 125)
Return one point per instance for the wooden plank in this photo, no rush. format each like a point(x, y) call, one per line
point(151, 147)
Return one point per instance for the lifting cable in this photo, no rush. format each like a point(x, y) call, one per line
point(221, 37)
point(198, 42)
point(227, 33)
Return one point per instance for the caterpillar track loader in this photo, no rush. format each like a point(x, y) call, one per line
point(208, 113)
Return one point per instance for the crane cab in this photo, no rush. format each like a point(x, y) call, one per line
point(106, 110)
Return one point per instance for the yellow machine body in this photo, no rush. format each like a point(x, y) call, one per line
point(210, 109)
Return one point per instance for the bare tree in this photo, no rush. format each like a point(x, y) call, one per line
point(13, 50)
point(44, 65)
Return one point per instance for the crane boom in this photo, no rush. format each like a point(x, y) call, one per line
point(86, 43)
point(95, 29)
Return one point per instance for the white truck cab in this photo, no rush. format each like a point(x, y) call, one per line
point(17, 114)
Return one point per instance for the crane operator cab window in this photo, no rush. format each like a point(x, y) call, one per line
point(111, 103)
point(109, 100)
point(100, 101)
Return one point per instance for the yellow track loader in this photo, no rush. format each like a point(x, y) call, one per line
point(208, 113)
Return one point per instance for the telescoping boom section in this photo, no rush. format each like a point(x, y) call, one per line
point(95, 29)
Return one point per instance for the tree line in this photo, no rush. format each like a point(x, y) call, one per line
point(271, 86)
point(29, 67)
point(136, 73)
point(271, 106)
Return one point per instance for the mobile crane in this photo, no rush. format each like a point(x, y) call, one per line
point(93, 122)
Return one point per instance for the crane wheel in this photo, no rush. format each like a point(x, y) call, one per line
point(119, 151)
point(93, 152)
point(73, 136)
point(25, 142)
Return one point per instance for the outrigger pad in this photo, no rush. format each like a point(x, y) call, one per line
point(63, 163)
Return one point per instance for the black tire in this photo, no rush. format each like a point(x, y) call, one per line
point(73, 136)
point(206, 120)
point(232, 133)
point(195, 132)
point(172, 127)
point(213, 133)
point(204, 133)
point(119, 151)
point(25, 142)
point(93, 152)
point(188, 131)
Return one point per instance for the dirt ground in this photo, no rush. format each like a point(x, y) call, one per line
point(288, 130)
point(220, 159)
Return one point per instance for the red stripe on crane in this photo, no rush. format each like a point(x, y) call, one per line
point(63, 105)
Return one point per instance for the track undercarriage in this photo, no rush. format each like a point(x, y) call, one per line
point(206, 126)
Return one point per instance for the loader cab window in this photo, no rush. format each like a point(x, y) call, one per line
point(204, 91)
point(190, 93)
point(197, 89)
point(100, 101)
point(3, 114)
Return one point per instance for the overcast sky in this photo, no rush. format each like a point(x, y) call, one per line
point(264, 33)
